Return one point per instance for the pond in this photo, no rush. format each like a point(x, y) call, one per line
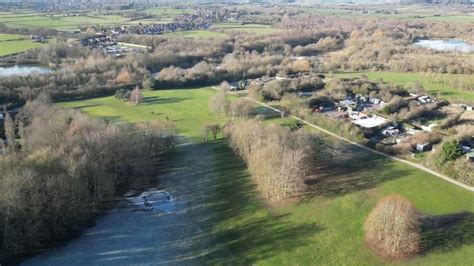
point(446, 45)
point(23, 70)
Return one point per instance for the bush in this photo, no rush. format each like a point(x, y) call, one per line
point(450, 151)
point(149, 84)
point(392, 229)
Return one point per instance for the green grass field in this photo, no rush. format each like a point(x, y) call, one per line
point(434, 88)
point(326, 227)
point(12, 44)
point(188, 108)
point(166, 12)
point(69, 23)
point(62, 23)
point(405, 13)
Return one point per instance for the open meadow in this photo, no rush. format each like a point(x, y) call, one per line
point(412, 13)
point(12, 44)
point(64, 22)
point(325, 227)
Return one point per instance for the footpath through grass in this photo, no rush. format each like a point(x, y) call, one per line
point(326, 227)
point(435, 88)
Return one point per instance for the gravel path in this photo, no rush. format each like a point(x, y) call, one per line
point(128, 235)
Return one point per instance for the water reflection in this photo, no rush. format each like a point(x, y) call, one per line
point(23, 70)
point(446, 45)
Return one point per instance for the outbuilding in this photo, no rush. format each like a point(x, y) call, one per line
point(423, 147)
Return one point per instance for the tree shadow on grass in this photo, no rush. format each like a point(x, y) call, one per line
point(244, 226)
point(111, 118)
point(86, 106)
point(447, 232)
point(350, 171)
point(159, 100)
point(266, 113)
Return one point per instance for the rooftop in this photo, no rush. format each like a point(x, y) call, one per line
point(370, 122)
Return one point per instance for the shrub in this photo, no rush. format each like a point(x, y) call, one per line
point(122, 94)
point(392, 229)
point(450, 151)
point(149, 84)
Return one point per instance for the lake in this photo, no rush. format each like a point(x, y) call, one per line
point(23, 70)
point(446, 45)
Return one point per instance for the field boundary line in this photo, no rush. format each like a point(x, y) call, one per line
point(416, 165)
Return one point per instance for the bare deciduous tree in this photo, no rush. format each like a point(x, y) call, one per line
point(392, 229)
point(240, 108)
point(219, 102)
point(136, 96)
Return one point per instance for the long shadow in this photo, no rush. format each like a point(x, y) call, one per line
point(349, 170)
point(86, 106)
point(223, 208)
point(265, 112)
point(112, 118)
point(447, 232)
point(159, 100)
point(242, 224)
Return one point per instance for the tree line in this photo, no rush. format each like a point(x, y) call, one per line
point(61, 169)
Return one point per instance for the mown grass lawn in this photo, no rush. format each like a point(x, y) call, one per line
point(441, 90)
point(325, 228)
point(12, 43)
point(187, 108)
point(65, 23)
